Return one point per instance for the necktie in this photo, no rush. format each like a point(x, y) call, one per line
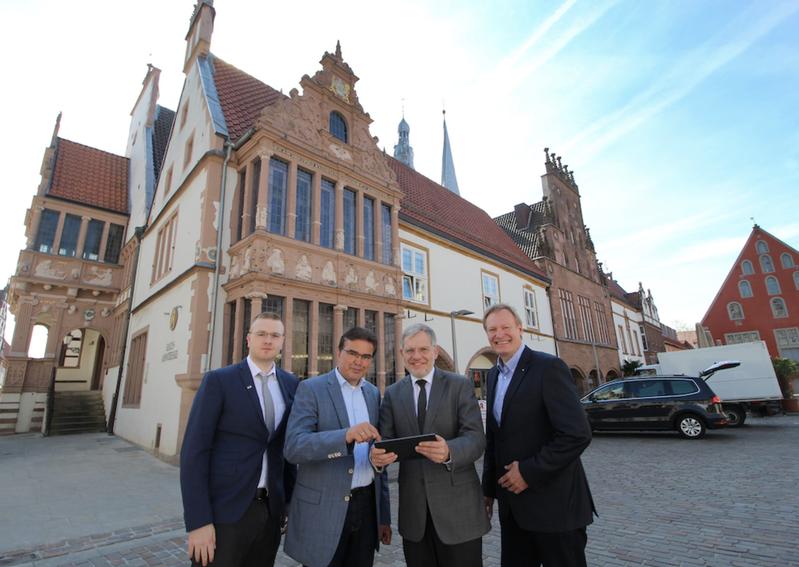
point(421, 404)
point(269, 405)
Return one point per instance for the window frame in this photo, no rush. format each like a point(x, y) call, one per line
point(417, 280)
point(775, 300)
point(741, 289)
point(530, 307)
point(745, 271)
point(730, 314)
point(339, 130)
point(486, 275)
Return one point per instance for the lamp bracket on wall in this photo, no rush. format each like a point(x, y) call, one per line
point(409, 315)
point(426, 318)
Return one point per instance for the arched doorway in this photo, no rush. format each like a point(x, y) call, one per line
point(593, 380)
point(478, 369)
point(444, 361)
point(612, 375)
point(579, 381)
point(80, 361)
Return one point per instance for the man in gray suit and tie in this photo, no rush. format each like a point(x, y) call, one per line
point(339, 511)
point(441, 514)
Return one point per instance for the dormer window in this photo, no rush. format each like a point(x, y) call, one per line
point(338, 127)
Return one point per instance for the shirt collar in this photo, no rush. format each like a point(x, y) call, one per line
point(510, 366)
point(343, 381)
point(255, 371)
point(428, 377)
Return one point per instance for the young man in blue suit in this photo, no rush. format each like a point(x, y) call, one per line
point(536, 430)
point(340, 509)
point(234, 480)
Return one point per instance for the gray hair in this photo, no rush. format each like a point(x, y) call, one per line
point(502, 307)
point(417, 328)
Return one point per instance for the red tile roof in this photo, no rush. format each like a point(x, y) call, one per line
point(90, 176)
point(442, 211)
point(242, 97)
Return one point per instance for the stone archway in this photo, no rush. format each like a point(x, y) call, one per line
point(579, 381)
point(477, 370)
point(611, 375)
point(79, 363)
point(444, 360)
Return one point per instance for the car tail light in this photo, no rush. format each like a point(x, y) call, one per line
point(715, 400)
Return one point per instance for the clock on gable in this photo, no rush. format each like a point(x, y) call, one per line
point(340, 88)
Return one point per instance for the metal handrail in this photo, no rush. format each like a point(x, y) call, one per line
point(50, 403)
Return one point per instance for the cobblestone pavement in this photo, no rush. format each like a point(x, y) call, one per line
point(730, 499)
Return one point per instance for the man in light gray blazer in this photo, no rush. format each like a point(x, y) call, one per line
point(441, 514)
point(339, 511)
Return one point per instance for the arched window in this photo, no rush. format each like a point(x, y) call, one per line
point(778, 308)
point(762, 247)
point(786, 260)
point(772, 285)
point(735, 311)
point(70, 349)
point(338, 127)
point(766, 264)
point(747, 268)
point(38, 344)
point(745, 288)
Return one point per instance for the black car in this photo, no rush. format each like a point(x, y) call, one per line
point(683, 403)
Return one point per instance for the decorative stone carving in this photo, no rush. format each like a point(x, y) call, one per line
point(391, 289)
point(339, 240)
point(235, 269)
point(351, 280)
point(105, 312)
point(98, 276)
point(370, 282)
point(49, 269)
point(71, 309)
point(329, 274)
point(276, 264)
point(75, 273)
point(303, 269)
point(340, 152)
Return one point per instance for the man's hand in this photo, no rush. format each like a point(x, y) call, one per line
point(513, 480)
point(379, 458)
point(437, 451)
point(202, 543)
point(489, 504)
point(385, 534)
point(362, 432)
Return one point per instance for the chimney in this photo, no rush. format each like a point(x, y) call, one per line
point(522, 212)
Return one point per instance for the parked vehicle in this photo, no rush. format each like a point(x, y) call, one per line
point(682, 403)
point(751, 387)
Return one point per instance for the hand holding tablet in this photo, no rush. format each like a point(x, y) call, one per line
point(404, 447)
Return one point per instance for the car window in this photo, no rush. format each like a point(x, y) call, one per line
point(610, 392)
point(683, 387)
point(646, 389)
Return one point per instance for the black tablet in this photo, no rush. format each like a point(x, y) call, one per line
point(404, 447)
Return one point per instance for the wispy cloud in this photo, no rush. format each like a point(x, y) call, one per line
point(682, 78)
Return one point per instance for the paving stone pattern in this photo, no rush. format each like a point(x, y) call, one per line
point(730, 499)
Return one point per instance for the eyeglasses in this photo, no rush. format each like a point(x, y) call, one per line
point(264, 334)
point(356, 354)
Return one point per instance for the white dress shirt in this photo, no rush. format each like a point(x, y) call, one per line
point(277, 400)
point(357, 412)
point(417, 388)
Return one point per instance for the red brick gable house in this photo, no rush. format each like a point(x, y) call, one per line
point(759, 298)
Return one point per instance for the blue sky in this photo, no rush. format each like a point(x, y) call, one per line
point(679, 118)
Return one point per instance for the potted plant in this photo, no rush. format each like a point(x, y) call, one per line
point(787, 371)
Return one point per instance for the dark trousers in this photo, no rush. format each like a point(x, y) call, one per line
point(521, 548)
point(356, 547)
point(432, 552)
point(250, 542)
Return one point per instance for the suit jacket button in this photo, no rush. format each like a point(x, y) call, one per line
point(346, 499)
point(350, 471)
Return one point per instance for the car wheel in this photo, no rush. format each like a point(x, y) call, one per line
point(736, 415)
point(691, 426)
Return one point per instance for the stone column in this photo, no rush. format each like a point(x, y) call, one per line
point(288, 322)
point(247, 213)
point(316, 212)
point(55, 334)
point(22, 329)
point(398, 363)
point(257, 303)
point(33, 227)
point(313, 339)
point(339, 230)
point(359, 240)
point(84, 225)
point(338, 328)
point(395, 243)
point(380, 353)
point(291, 200)
point(103, 242)
point(238, 329)
point(379, 231)
point(262, 208)
point(59, 229)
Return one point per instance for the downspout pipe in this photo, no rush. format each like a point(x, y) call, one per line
point(218, 259)
point(112, 415)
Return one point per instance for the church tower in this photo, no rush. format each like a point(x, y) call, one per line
point(402, 150)
point(448, 178)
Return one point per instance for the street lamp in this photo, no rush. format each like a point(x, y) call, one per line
point(452, 315)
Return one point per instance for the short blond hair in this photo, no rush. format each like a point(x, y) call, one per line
point(502, 307)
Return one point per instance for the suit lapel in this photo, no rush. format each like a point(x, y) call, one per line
point(491, 387)
point(436, 394)
point(515, 381)
point(250, 390)
point(371, 396)
point(407, 402)
point(334, 389)
point(288, 398)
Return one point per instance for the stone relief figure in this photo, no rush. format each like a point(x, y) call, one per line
point(329, 274)
point(391, 289)
point(370, 282)
point(259, 259)
point(98, 276)
point(75, 273)
point(276, 264)
point(247, 259)
point(235, 269)
point(303, 269)
point(351, 280)
point(47, 269)
point(339, 152)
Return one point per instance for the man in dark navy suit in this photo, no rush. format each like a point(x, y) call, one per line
point(234, 480)
point(536, 430)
